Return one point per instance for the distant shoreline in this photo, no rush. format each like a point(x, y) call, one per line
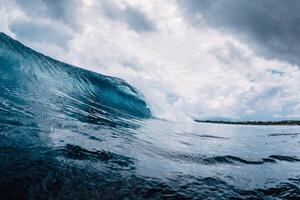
point(262, 123)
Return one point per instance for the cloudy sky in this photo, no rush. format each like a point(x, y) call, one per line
point(203, 59)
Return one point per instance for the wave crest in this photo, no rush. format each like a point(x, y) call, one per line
point(34, 84)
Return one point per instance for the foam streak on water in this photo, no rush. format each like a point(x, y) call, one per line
point(67, 133)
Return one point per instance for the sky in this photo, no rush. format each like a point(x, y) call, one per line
point(191, 59)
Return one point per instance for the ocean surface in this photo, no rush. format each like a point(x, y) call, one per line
point(68, 133)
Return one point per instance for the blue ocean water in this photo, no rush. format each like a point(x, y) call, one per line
point(68, 133)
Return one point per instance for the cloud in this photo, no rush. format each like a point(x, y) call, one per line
point(40, 32)
point(65, 11)
point(271, 27)
point(185, 64)
point(133, 17)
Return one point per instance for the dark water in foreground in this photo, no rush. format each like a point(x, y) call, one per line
point(67, 133)
point(156, 159)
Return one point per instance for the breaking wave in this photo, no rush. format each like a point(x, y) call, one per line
point(36, 85)
point(69, 133)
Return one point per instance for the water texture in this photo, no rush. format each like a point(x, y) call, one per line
point(68, 133)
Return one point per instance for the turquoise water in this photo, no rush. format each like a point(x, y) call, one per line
point(67, 133)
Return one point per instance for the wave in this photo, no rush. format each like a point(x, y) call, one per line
point(33, 84)
point(68, 133)
point(208, 136)
point(283, 134)
point(233, 159)
point(78, 153)
point(285, 158)
point(195, 134)
point(228, 159)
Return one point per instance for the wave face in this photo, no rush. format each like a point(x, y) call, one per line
point(68, 133)
point(34, 84)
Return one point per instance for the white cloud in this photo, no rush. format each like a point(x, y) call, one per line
point(182, 71)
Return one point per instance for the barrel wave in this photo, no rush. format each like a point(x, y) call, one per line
point(68, 133)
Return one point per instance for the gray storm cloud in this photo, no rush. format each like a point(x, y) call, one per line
point(272, 27)
point(65, 11)
point(40, 32)
point(46, 21)
point(190, 58)
point(133, 17)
